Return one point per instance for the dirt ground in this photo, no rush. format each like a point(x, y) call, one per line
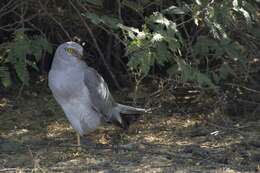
point(36, 137)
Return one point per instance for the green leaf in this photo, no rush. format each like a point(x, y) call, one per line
point(204, 80)
point(43, 43)
point(38, 45)
point(206, 46)
point(202, 2)
point(142, 60)
point(147, 62)
point(157, 37)
point(173, 43)
point(216, 77)
point(234, 51)
point(109, 21)
point(133, 33)
point(32, 64)
point(162, 53)
point(5, 76)
point(173, 70)
point(158, 18)
point(21, 48)
point(133, 5)
point(94, 2)
point(225, 71)
point(174, 10)
point(245, 14)
point(22, 71)
point(255, 31)
point(95, 19)
point(192, 74)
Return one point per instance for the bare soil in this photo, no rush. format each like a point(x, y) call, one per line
point(35, 136)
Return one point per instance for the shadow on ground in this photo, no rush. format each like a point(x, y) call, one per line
point(35, 136)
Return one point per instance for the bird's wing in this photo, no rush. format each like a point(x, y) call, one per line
point(100, 96)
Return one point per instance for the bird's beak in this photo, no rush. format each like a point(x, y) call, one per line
point(81, 58)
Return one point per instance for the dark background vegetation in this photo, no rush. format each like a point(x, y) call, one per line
point(211, 47)
point(195, 63)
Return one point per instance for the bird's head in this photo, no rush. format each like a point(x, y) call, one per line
point(70, 51)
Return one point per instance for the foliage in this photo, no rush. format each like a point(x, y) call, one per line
point(194, 41)
point(22, 52)
point(160, 41)
point(204, 42)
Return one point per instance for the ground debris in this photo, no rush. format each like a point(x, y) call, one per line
point(35, 135)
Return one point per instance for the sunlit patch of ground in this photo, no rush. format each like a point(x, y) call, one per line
point(35, 136)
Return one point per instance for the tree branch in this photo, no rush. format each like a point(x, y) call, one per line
point(96, 45)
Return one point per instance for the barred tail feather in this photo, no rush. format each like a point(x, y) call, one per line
point(123, 115)
point(130, 110)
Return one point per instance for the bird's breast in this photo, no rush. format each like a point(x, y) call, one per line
point(66, 84)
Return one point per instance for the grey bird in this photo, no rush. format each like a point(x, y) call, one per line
point(83, 94)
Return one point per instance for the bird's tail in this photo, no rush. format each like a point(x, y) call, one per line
point(123, 115)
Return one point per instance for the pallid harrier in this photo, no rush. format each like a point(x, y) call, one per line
point(83, 94)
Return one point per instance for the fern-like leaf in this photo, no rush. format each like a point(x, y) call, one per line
point(20, 48)
point(5, 76)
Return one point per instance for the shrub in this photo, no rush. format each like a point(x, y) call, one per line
point(19, 54)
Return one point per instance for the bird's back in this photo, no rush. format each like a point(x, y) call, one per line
point(100, 94)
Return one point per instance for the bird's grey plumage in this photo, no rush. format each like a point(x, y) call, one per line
point(82, 92)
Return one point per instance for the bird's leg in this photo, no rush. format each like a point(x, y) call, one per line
point(78, 139)
point(78, 143)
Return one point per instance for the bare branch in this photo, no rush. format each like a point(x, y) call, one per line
point(55, 20)
point(96, 45)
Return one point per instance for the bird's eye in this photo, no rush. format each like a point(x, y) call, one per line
point(70, 50)
point(73, 52)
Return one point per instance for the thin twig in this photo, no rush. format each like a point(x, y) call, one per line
point(11, 9)
point(96, 45)
point(20, 92)
point(55, 20)
point(15, 170)
point(248, 102)
point(246, 88)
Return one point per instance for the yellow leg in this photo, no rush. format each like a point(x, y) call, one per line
point(78, 139)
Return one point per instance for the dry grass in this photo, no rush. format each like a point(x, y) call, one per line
point(36, 137)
